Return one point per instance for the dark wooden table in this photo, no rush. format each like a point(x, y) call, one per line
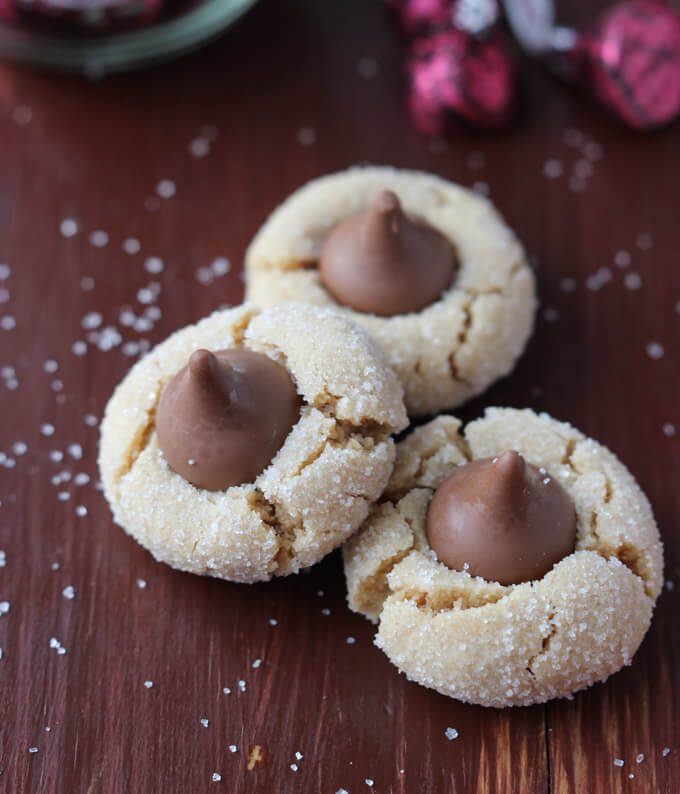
point(150, 680)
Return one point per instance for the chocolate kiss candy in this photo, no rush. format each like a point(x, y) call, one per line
point(382, 262)
point(502, 519)
point(224, 416)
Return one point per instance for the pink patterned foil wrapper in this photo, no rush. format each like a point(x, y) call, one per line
point(631, 62)
point(455, 77)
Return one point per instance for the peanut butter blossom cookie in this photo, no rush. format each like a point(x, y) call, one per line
point(253, 443)
point(508, 565)
point(427, 267)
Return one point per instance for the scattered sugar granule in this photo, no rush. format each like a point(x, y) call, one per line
point(204, 275)
point(669, 429)
point(19, 448)
point(233, 748)
point(56, 455)
point(199, 147)
point(22, 115)
point(568, 284)
point(69, 592)
point(81, 478)
point(99, 239)
point(57, 385)
point(320, 593)
point(551, 315)
point(639, 758)
point(670, 585)
point(552, 169)
point(4, 295)
point(148, 684)
point(306, 136)
point(79, 348)
point(3, 558)
point(451, 733)
point(145, 295)
point(369, 781)
point(273, 622)
point(204, 722)
point(299, 755)
point(573, 137)
point(50, 365)
point(55, 566)
point(350, 640)
point(481, 187)
point(216, 777)
point(644, 241)
point(257, 663)
point(593, 151)
point(294, 767)
point(91, 420)
point(4, 607)
point(618, 762)
point(47, 728)
point(75, 451)
point(599, 278)
point(367, 67)
point(576, 184)
point(141, 583)
point(220, 266)
point(81, 510)
point(86, 283)
point(622, 258)
point(153, 264)
point(632, 281)
point(226, 690)
point(68, 227)
point(665, 751)
point(32, 749)
point(5, 270)
point(342, 791)
point(242, 685)
point(8, 322)
point(47, 429)
point(325, 612)
point(583, 169)
point(655, 350)
point(91, 320)
point(166, 188)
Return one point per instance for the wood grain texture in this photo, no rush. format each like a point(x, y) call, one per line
point(95, 153)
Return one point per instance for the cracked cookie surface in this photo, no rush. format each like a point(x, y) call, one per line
point(318, 488)
point(454, 348)
point(480, 641)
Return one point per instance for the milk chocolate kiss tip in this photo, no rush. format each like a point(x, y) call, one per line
point(383, 262)
point(502, 519)
point(223, 417)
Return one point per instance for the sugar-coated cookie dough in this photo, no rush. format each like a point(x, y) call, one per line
point(454, 348)
point(482, 642)
point(318, 488)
